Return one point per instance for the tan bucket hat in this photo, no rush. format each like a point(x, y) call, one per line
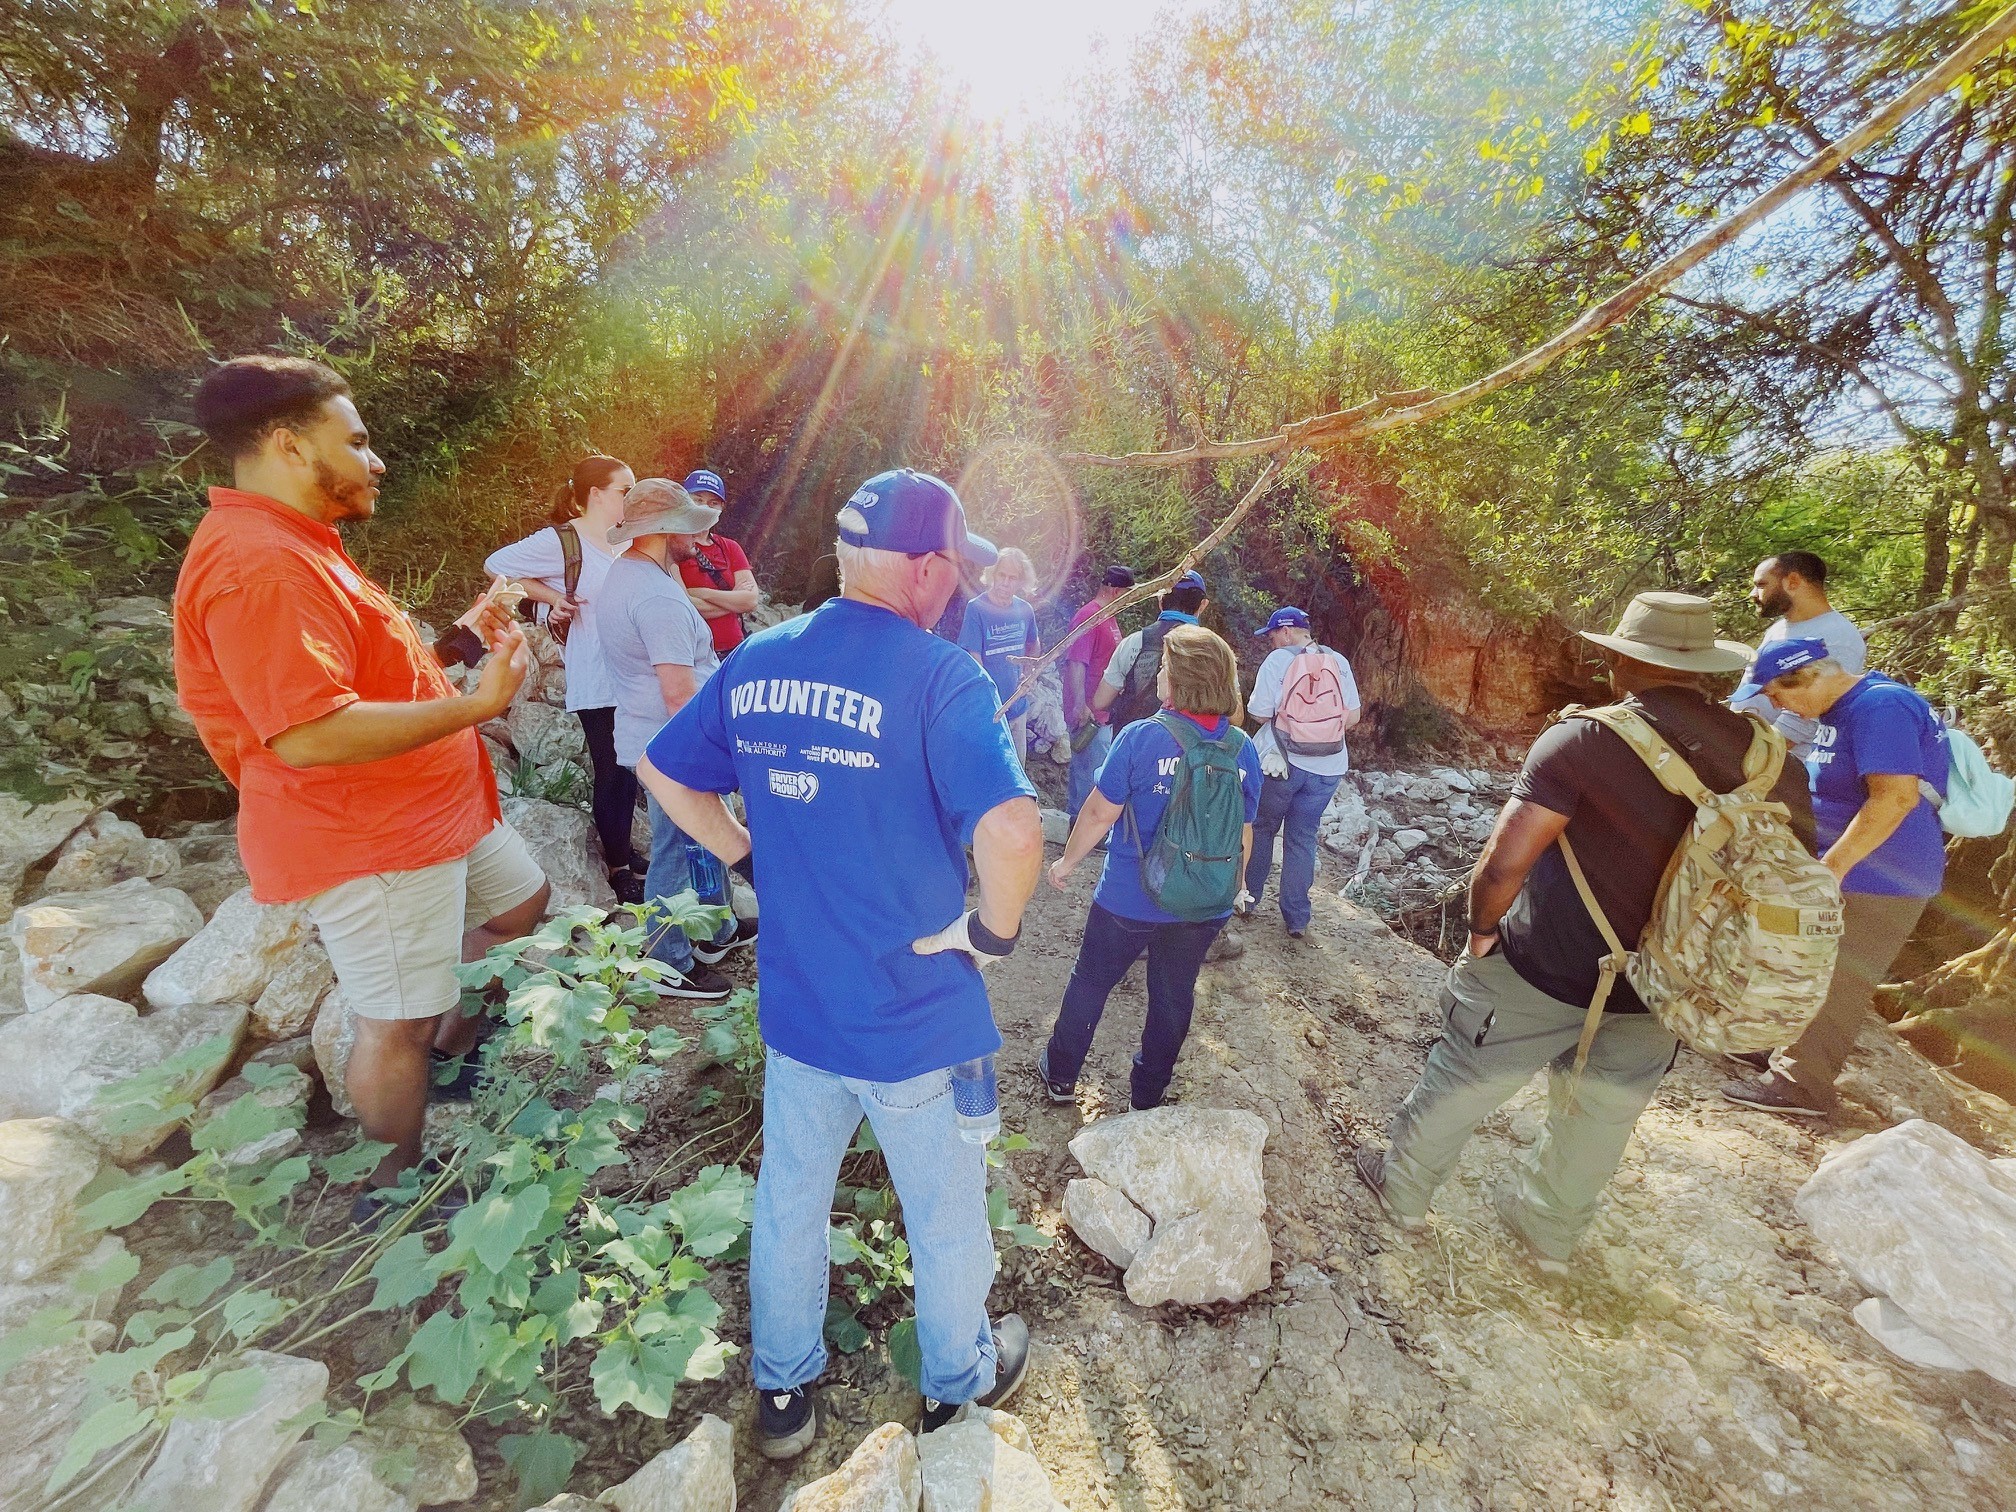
point(658, 506)
point(1674, 630)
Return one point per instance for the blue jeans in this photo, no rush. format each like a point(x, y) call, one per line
point(809, 1119)
point(1085, 767)
point(678, 863)
point(1290, 806)
point(1112, 944)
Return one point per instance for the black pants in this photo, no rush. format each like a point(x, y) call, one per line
point(1111, 945)
point(615, 801)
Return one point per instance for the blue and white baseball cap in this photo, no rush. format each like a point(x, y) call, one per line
point(1188, 580)
point(1778, 658)
point(911, 512)
point(706, 480)
point(1287, 617)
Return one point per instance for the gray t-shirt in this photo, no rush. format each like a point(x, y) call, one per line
point(647, 621)
point(1844, 644)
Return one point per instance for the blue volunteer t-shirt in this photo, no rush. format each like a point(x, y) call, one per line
point(1883, 728)
point(994, 634)
point(1140, 771)
point(866, 750)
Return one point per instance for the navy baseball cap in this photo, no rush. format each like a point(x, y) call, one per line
point(1188, 580)
point(1286, 617)
point(914, 513)
point(1778, 658)
point(705, 480)
point(1118, 577)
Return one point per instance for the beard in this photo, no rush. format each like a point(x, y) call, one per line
point(1775, 604)
point(341, 499)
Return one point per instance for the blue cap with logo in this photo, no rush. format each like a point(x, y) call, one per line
point(705, 480)
point(1188, 580)
point(1287, 617)
point(1778, 658)
point(914, 513)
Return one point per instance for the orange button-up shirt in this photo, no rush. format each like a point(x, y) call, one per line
point(275, 627)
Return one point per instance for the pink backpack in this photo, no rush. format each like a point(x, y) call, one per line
point(1310, 718)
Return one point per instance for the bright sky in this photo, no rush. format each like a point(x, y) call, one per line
point(1014, 56)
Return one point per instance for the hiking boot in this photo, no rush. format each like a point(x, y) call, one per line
point(699, 981)
point(1011, 1364)
point(1756, 1060)
point(786, 1422)
point(1506, 1201)
point(1772, 1093)
point(1294, 933)
point(1056, 1091)
point(454, 1077)
point(707, 953)
point(1370, 1167)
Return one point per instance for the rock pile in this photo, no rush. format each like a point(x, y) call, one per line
point(1196, 1173)
point(1407, 837)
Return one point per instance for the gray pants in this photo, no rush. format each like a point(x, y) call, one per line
point(1496, 1032)
point(1874, 928)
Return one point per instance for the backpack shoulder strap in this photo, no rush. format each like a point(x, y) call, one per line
point(570, 557)
point(1608, 970)
point(1186, 735)
point(1764, 761)
point(1665, 763)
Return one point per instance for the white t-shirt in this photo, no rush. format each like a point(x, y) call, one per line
point(539, 558)
point(1267, 698)
point(1844, 644)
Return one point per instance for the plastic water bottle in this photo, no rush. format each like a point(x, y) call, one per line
point(975, 1101)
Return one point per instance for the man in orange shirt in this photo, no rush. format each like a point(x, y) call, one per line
point(363, 790)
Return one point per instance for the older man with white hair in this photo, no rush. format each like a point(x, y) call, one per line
point(869, 754)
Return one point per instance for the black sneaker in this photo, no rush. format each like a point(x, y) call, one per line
point(708, 953)
point(786, 1422)
point(628, 885)
point(1011, 1357)
point(374, 1204)
point(1056, 1091)
point(698, 981)
point(454, 1076)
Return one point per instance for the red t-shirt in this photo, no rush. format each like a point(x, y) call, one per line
point(1095, 648)
point(715, 567)
point(274, 627)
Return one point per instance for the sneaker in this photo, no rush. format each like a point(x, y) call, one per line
point(628, 885)
point(373, 1204)
point(1011, 1364)
point(1507, 1204)
point(698, 981)
point(1057, 1091)
point(786, 1422)
point(707, 953)
point(1370, 1167)
point(1294, 933)
point(454, 1077)
point(1756, 1060)
point(1772, 1093)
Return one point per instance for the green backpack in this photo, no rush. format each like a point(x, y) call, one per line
point(1191, 868)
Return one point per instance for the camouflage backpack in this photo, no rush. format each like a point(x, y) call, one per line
point(1739, 951)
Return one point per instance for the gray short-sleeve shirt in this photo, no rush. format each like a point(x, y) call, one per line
point(648, 621)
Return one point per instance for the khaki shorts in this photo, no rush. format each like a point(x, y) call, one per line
point(395, 938)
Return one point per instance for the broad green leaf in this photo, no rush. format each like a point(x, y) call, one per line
point(49, 1326)
point(355, 1163)
point(116, 1422)
point(843, 1330)
point(115, 1369)
point(278, 1184)
point(122, 1202)
point(248, 1312)
point(190, 1285)
point(496, 1225)
point(904, 1353)
point(541, 1462)
point(245, 1119)
point(114, 1273)
point(643, 1254)
point(406, 1272)
point(447, 1352)
point(232, 1393)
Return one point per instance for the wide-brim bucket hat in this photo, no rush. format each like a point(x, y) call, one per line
point(658, 506)
point(1675, 630)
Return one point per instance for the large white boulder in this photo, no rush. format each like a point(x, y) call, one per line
point(29, 832)
point(210, 884)
point(1218, 1255)
point(1175, 1161)
point(234, 956)
point(109, 849)
point(985, 1462)
point(881, 1475)
point(543, 735)
point(334, 1037)
point(430, 1460)
point(340, 1478)
point(1102, 1216)
point(44, 1164)
point(564, 843)
point(695, 1475)
point(223, 1465)
point(105, 941)
point(1920, 1216)
point(42, 1400)
point(292, 994)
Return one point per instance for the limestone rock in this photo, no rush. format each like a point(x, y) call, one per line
point(11, 1000)
point(1056, 826)
point(1449, 777)
point(564, 843)
point(1407, 841)
point(1889, 1325)
point(1217, 1255)
point(1178, 1160)
point(1918, 1215)
point(42, 1400)
point(335, 1035)
point(1346, 823)
point(289, 1094)
point(881, 1475)
point(341, 1478)
point(293, 993)
point(44, 1164)
point(29, 832)
point(104, 941)
point(234, 957)
point(1102, 1216)
point(108, 850)
point(210, 883)
point(223, 1465)
point(435, 1463)
point(21, 1300)
point(696, 1475)
point(542, 734)
point(985, 1462)
point(298, 1052)
point(135, 611)
point(55, 1063)
point(567, 1501)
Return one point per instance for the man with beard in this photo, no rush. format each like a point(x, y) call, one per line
point(363, 790)
point(1790, 589)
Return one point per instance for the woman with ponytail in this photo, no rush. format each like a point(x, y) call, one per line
point(561, 566)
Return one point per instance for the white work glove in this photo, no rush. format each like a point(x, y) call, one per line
point(966, 933)
point(1273, 763)
point(1243, 904)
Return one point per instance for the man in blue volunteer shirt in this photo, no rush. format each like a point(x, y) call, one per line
point(868, 754)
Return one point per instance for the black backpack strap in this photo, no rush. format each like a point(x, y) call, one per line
point(570, 557)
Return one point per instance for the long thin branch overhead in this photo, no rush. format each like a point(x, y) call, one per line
point(1394, 411)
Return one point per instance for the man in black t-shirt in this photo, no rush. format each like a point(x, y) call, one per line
point(1517, 997)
